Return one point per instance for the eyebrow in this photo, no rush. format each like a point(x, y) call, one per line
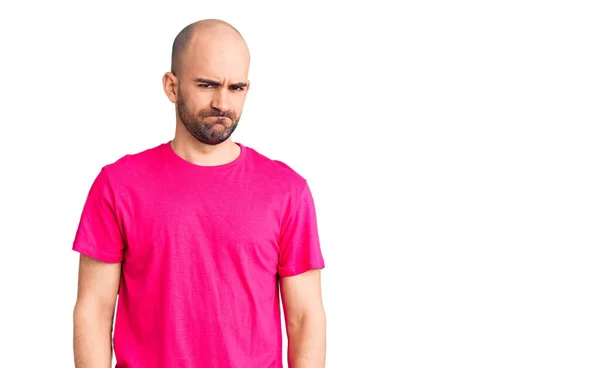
point(217, 84)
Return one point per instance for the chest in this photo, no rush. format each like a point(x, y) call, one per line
point(203, 225)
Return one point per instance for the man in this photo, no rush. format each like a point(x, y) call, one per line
point(199, 236)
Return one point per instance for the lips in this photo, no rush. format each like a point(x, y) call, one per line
point(218, 119)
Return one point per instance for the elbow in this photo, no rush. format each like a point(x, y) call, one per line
point(87, 310)
point(313, 319)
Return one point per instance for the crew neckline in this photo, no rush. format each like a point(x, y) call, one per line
point(173, 157)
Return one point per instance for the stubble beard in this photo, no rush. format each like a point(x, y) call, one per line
point(207, 133)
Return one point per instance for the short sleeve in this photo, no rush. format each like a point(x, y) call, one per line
point(299, 245)
point(99, 235)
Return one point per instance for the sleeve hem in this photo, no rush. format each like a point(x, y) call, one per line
point(100, 256)
point(293, 271)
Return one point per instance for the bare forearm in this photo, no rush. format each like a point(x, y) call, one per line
point(307, 342)
point(92, 342)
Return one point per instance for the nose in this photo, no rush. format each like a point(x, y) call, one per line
point(219, 100)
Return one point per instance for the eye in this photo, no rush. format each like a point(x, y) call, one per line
point(205, 85)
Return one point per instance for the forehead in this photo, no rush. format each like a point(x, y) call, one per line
point(218, 57)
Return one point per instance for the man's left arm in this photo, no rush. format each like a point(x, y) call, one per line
point(305, 319)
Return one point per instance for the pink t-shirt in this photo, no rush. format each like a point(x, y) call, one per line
point(202, 248)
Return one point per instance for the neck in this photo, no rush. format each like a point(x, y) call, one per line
point(198, 153)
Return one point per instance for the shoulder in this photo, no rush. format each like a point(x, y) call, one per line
point(133, 165)
point(277, 171)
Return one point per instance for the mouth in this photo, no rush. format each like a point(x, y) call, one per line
point(219, 118)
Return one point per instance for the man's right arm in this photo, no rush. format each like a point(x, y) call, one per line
point(97, 291)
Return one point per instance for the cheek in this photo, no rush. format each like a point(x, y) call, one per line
point(196, 104)
point(238, 102)
point(200, 100)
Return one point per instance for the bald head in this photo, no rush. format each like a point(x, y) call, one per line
point(205, 32)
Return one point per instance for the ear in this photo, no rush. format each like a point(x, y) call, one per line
point(170, 84)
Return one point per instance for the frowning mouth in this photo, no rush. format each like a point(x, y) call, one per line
point(219, 119)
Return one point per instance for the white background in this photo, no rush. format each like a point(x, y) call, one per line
point(452, 149)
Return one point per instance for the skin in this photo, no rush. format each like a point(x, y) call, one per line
point(208, 85)
point(97, 289)
point(209, 89)
point(305, 319)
